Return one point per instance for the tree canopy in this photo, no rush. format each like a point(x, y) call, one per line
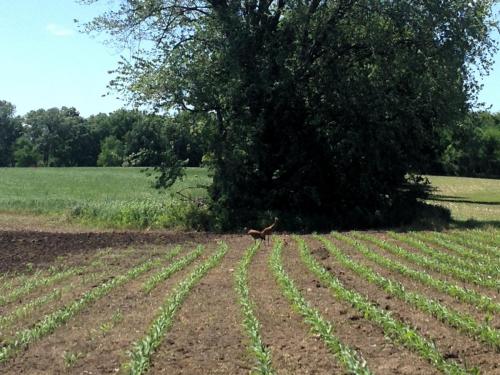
point(314, 108)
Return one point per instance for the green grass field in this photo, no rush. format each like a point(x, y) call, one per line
point(124, 198)
point(105, 197)
point(475, 199)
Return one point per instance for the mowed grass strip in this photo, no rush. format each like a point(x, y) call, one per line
point(143, 350)
point(461, 255)
point(477, 275)
point(461, 321)
point(59, 317)
point(348, 357)
point(394, 329)
point(468, 296)
point(433, 264)
point(250, 322)
point(168, 271)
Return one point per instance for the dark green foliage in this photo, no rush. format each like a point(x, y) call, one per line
point(10, 130)
point(25, 154)
point(112, 153)
point(472, 147)
point(315, 111)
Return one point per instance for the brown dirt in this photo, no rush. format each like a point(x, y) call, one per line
point(207, 336)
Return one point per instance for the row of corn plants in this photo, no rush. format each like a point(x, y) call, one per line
point(349, 358)
point(37, 280)
point(484, 236)
point(144, 349)
point(31, 306)
point(250, 321)
point(474, 241)
point(461, 321)
point(28, 308)
point(35, 283)
point(444, 258)
point(394, 329)
point(59, 317)
point(433, 264)
point(468, 296)
point(486, 263)
point(168, 271)
point(471, 249)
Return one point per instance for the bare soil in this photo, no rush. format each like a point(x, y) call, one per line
point(207, 336)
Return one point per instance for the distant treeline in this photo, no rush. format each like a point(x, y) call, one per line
point(62, 138)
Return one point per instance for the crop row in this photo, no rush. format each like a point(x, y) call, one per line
point(394, 329)
point(349, 358)
point(36, 282)
point(453, 290)
point(59, 317)
point(486, 264)
point(143, 350)
point(475, 241)
point(479, 277)
point(433, 264)
point(461, 321)
point(250, 322)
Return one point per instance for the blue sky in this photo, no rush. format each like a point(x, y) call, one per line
point(45, 62)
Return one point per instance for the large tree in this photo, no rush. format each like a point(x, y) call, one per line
point(317, 108)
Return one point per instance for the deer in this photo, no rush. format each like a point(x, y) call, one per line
point(262, 234)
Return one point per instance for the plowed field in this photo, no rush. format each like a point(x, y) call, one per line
point(196, 303)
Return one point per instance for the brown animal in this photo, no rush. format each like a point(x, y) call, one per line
point(262, 234)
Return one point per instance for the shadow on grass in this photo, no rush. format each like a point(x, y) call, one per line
point(445, 198)
point(438, 218)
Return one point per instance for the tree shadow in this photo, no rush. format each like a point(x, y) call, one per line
point(454, 199)
point(438, 218)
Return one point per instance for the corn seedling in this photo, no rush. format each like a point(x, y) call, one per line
point(250, 322)
point(394, 329)
point(28, 308)
point(165, 273)
point(463, 322)
point(59, 317)
point(71, 358)
point(457, 265)
point(464, 257)
point(429, 263)
point(349, 358)
point(474, 242)
point(453, 290)
point(143, 350)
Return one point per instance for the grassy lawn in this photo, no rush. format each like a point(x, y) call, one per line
point(468, 198)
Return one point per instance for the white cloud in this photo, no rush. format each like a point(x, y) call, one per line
point(59, 30)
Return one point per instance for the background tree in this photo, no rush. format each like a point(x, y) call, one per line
point(316, 108)
point(59, 136)
point(10, 130)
